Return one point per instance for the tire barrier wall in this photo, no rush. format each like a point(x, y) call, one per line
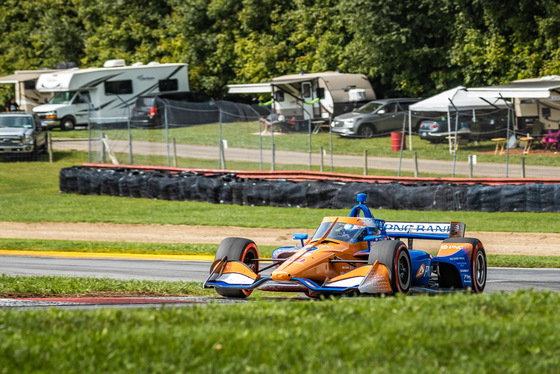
point(232, 189)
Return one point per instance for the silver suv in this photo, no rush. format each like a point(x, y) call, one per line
point(21, 134)
point(374, 118)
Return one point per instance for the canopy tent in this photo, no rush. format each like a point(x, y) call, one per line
point(450, 101)
point(455, 99)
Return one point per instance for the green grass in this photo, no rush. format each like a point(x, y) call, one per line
point(60, 286)
point(242, 135)
point(29, 192)
point(460, 333)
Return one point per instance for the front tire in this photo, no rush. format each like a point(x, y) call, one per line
point(238, 249)
point(67, 124)
point(394, 255)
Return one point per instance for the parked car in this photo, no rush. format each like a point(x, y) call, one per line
point(472, 128)
point(148, 110)
point(21, 134)
point(373, 118)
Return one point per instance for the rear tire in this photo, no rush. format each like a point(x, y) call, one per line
point(394, 255)
point(238, 249)
point(478, 264)
point(367, 131)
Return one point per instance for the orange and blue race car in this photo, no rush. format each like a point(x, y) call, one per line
point(354, 255)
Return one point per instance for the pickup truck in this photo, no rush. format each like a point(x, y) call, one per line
point(21, 134)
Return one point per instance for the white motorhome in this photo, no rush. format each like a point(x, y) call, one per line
point(104, 95)
point(316, 96)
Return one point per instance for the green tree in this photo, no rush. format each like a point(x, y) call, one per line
point(401, 46)
point(131, 30)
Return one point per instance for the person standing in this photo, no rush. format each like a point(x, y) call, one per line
point(12, 106)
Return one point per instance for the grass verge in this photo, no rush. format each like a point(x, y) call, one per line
point(66, 286)
point(460, 333)
point(32, 192)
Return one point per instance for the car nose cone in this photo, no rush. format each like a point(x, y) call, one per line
point(280, 276)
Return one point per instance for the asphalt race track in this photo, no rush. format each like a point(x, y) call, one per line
point(499, 279)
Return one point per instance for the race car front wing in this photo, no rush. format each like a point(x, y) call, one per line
point(367, 279)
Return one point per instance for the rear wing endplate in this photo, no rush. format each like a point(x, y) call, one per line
point(425, 230)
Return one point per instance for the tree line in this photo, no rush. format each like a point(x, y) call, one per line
point(407, 48)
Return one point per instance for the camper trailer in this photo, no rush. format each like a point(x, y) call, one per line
point(27, 95)
point(104, 95)
point(320, 96)
point(315, 97)
point(535, 101)
point(544, 107)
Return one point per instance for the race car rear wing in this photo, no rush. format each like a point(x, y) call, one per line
point(424, 230)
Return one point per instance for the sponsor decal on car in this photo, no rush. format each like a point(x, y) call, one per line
point(421, 271)
point(417, 228)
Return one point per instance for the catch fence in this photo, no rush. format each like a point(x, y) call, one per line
point(228, 135)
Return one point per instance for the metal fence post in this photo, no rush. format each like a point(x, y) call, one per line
point(49, 145)
point(221, 144)
point(416, 164)
point(309, 141)
point(130, 155)
point(331, 142)
point(260, 146)
point(273, 148)
point(166, 133)
point(103, 158)
point(89, 135)
point(174, 153)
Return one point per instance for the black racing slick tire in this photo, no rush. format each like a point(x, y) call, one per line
point(478, 264)
point(394, 255)
point(238, 249)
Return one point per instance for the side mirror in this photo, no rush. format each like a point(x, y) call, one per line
point(300, 237)
point(381, 111)
point(369, 238)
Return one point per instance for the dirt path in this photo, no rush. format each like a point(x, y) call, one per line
point(494, 242)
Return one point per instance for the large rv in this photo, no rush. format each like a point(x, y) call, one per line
point(317, 96)
point(104, 95)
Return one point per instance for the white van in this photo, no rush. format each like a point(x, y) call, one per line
point(104, 95)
